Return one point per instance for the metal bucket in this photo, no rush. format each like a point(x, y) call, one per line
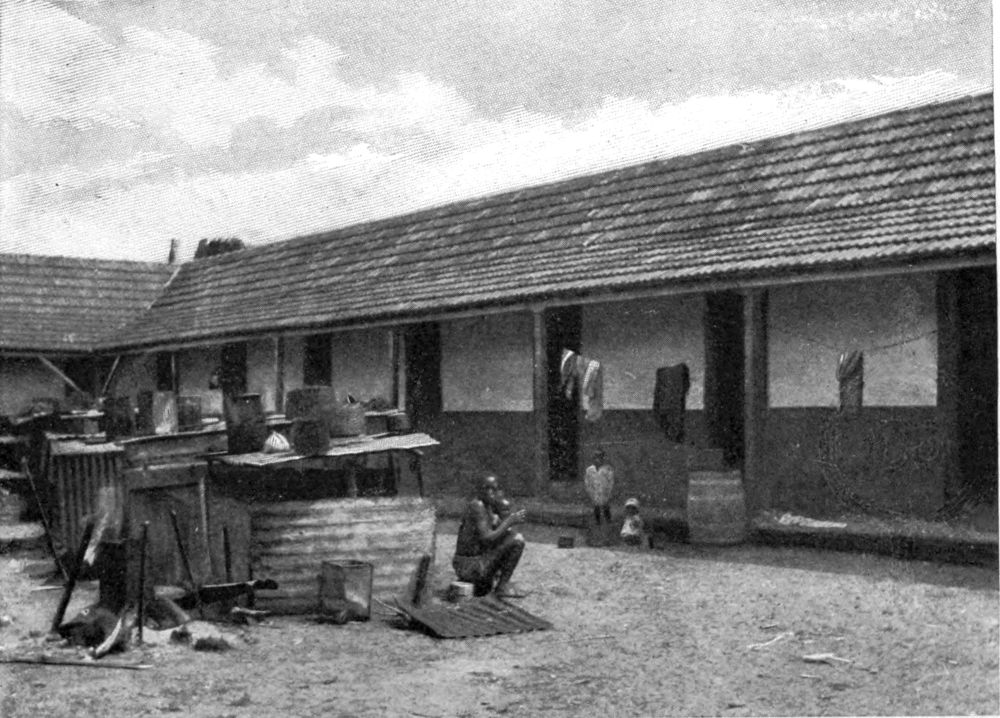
point(345, 590)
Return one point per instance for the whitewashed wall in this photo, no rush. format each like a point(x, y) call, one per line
point(893, 320)
point(22, 380)
point(487, 363)
point(362, 363)
point(633, 339)
point(194, 370)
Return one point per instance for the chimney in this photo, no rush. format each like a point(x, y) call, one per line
point(172, 255)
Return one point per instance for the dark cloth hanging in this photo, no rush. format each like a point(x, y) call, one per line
point(669, 395)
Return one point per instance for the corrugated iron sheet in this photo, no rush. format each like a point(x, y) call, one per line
point(485, 616)
point(76, 472)
point(290, 540)
point(353, 446)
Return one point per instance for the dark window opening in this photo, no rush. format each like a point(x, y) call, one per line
point(317, 362)
point(165, 371)
point(563, 329)
point(423, 371)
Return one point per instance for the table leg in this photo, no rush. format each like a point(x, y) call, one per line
point(415, 456)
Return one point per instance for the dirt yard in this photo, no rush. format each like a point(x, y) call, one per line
point(677, 631)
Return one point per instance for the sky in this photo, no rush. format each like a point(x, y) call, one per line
point(128, 123)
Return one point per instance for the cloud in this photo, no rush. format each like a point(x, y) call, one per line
point(149, 135)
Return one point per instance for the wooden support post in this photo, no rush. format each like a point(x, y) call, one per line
point(143, 543)
point(948, 401)
point(279, 374)
point(74, 574)
point(111, 375)
point(755, 482)
point(540, 394)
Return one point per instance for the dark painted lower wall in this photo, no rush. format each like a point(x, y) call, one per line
point(820, 461)
point(474, 444)
point(817, 461)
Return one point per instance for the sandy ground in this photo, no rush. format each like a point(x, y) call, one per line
point(677, 631)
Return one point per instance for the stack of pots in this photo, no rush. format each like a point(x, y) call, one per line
point(309, 409)
point(319, 412)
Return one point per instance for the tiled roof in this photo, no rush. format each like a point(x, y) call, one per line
point(63, 304)
point(906, 186)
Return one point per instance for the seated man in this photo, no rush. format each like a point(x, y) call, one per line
point(486, 555)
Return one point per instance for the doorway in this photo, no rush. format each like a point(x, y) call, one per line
point(423, 372)
point(563, 328)
point(977, 382)
point(724, 374)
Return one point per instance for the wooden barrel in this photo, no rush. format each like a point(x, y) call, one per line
point(246, 427)
point(716, 508)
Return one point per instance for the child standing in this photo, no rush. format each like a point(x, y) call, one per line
point(633, 528)
point(599, 480)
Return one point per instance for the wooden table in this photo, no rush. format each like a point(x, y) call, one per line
point(344, 448)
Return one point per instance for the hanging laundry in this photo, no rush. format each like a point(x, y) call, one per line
point(592, 390)
point(669, 397)
point(567, 372)
point(585, 377)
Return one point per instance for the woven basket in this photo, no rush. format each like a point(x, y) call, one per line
point(347, 420)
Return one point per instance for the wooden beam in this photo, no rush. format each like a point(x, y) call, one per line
point(755, 480)
point(111, 375)
point(540, 393)
point(59, 372)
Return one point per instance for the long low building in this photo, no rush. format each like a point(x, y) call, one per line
point(817, 311)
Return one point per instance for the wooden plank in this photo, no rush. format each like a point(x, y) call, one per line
point(172, 448)
point(153, 493)
point(354, 446)
point(165, 476)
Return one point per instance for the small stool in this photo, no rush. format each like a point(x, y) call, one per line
point(459, 591)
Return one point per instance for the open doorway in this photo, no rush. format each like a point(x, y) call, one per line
point(724, 374)
point(977, 382)
point(563, 327)
point(423, 372)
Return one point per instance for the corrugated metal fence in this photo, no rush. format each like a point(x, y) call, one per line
point(76, 472)
point(291, 539)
